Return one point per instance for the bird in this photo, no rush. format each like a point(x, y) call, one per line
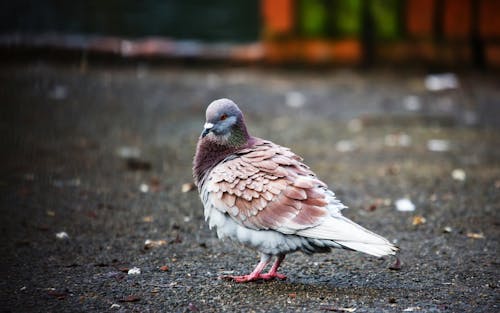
point(265, 197)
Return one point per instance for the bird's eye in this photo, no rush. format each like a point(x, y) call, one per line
point(223, 117)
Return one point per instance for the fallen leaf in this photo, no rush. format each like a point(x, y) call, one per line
point(147, 219)
point(418, 220)
point(178, 239)
point(134, 164)
point(59, 295)
point(148, 244)
point(336, 309)
point(396, 266)
point(154, 184)
point(130, 299)
point(164, 268)
point(475, 235)
point(192, 307)
point(42, 227)
point(292, 295)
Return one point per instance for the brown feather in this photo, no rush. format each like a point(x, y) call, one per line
point(295, 193)
point(228, 199)
point(267, 187)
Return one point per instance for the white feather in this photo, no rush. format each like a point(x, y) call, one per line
point(351, 235)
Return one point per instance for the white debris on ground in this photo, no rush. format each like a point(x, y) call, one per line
point(437, 82)
point(134, 271)
point(126, 152)
point(144, 188)
point(412, 103)
point(62, 235)
point(186, 187)
point(295, 99)
point(404, 205)
point(148, 244)
point(345, 146)
point(60, 183)
point(438, 145)
point(355, 125)
point(458, 174)
point(412, 309)
point(59, 92)
point(397, 140)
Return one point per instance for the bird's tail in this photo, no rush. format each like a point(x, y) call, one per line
point(350, 235)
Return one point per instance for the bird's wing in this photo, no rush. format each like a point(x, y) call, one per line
point(268, 187)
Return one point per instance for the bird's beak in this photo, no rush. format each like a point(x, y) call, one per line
point(206, 129)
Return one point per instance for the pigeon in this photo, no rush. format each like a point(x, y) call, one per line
point(262, 195)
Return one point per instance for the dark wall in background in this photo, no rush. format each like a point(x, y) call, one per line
point(215, 20)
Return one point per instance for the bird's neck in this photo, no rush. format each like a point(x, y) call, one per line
point(209, 153)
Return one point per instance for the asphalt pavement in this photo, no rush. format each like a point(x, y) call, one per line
point(99, 213)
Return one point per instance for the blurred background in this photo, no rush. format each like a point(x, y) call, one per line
point(353, 32)
point(395, 104)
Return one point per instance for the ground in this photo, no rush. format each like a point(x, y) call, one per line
point(96, 160)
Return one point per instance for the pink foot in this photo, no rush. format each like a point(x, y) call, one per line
point(251, 277)
point(269, 276)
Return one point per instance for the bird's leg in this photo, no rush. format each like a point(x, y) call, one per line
point(273, 272)
point(256, 274)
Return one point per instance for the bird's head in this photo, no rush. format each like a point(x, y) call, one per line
point(224, 124)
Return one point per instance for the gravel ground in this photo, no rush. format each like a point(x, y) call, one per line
point(103, 153)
